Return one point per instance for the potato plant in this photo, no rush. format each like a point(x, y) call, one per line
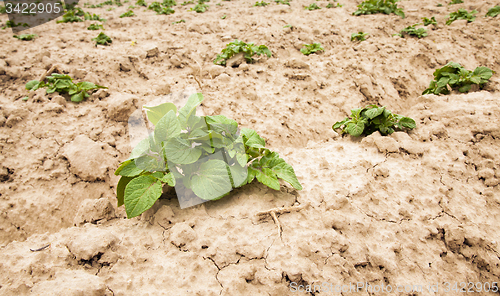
point(365, 121)
point(200, 8)
point(360, 36)
point(312, 6)
point(202, 156)
point(413, 31)
point(64, 84)
point(379, 6)
point(429, 21)
point(457, 77)
point(129, 13)
point(237, 46)
point(455, 2)
point(26, 37)
point(461, 14)
point(102, 39)
point(94, 27)
point(311, 48)
point(494, 11)
point(261, 3)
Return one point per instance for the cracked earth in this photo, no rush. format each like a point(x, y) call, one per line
point(411, 208)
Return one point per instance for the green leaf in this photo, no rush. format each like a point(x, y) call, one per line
point(169, 179)
point(211, 181)
point(465, 88)
point(285, 171)
point(355, 128)
point(140, 149)
point(128, 169)
point(32, 85)
point(167, 127)
point(157, 112)
point(77, 97)
point(374, 112)
point(268, 178)
point(239, 175)
point(252, 139)
point(140, 194)
point(120, 189)
point(151, 162)
point(189, 109)
point(180, 151)
point(483, 72)
point(408, 122)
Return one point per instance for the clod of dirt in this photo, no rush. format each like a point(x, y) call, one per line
point(153, 52)
point(86, 158)
point(71, 283)
point(120, 106)
point(297, 64)
point(90, 241)
point(181, 234)
point(94, 210)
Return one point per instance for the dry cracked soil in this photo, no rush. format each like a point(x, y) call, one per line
point(411, 209)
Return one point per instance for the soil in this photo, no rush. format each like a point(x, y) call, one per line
point(413, 208)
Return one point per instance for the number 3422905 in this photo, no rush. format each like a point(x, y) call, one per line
point(33, 8)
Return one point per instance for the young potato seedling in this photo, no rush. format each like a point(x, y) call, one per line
point(64, 84)
point(461, 14)
point(331, 5)
point(26, 37)
point(11, 24)
point(365, 121)
point(178, 22)
point(202, 156)
point(284, 2)
point(200, 8)
point(261, 3)
point(429, 21)
point(155, 6)
point(360, 36)
point(237, 46)
point(166, 10)
point(141, 3)
point(379, 6)
point(494, 11)
point(312, 6)
point(102, 39)
point(169, 3)
point(413, 31)
point(94, 27)
point(311, 48)
point(457, 77)
point(2, 9)
point(129, 13)
point(455, 2)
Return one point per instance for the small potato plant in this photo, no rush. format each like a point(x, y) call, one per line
point(311, 48)
point(413, 31)
point(461, 14)
point(312, 6)
point(379, 6)
point(429, 21)
point(64, 84)
point(26, 37)
point(360, 36)
point(494, 11)
point(365, 121)
point(457, 77)
point(237, 46)
point(102, 39)
point(201, 156)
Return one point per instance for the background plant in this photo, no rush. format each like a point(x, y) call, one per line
point(26, 37)
point(360, 36)
point(141, 3)
point(102, 39)
point(494, 11)
point(331, 5)
point(64, 84)
point(237, 46)
point(365, 121)
point(457, 77)
point(11, 24)
point(379, 6)
point(129, 13)
point(461, 14)
point(311, 48)
point(413, 31)
point(429, 21)
point(284, 2)
point(205, 156)
point(455, 2)
point(312, 6)
point(200, 7)
point(94, 27)
point(261, 3)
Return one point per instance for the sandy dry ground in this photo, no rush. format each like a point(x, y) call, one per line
point(409, 209)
